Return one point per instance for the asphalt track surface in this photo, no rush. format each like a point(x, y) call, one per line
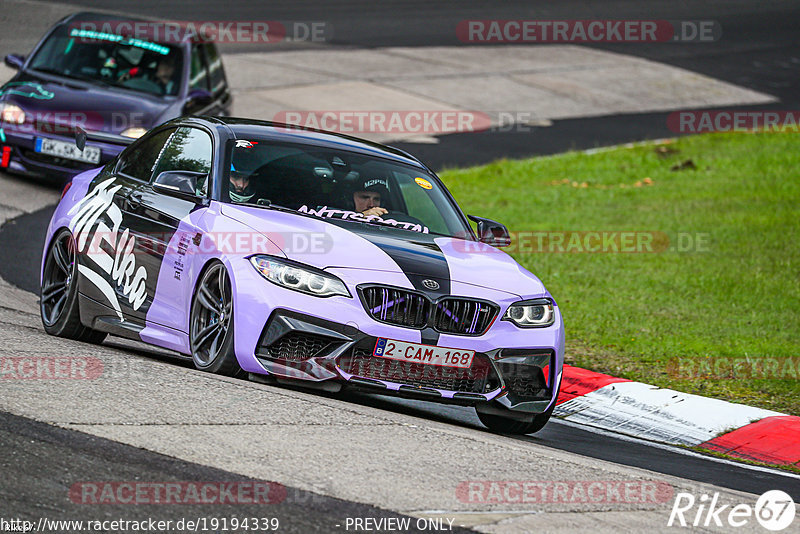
point(556, 435)
point(71, 456)
point(760, 50)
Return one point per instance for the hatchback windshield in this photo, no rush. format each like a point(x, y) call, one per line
point(111, 59)
point(339, 185)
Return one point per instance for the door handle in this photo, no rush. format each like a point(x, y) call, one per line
point(134, 200)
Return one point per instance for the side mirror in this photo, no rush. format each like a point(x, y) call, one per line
point(491, 232)
point(197, 98)
point(15, 61)
point(182, 184)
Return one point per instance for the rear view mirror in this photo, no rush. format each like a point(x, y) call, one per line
point(491, 232)
point(15, 61)
point(197, 99)
point(181, 184)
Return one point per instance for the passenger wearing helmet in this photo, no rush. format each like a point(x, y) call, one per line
point(239, 188)
point(369, 194)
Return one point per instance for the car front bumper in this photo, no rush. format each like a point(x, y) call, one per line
point(23, 158)
point(514, 369)
point(298, 346)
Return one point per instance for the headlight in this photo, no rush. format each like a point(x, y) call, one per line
point(531, 313)
point(11, 113)
point(134, 133)
point(304, 279)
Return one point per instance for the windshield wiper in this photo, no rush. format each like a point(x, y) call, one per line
point(47, 70)
point(279, 208)
point(268, 206)
point(50, 70)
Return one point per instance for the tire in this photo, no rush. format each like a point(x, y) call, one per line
point(58, 294)
point(506, 425)
point(211, 325)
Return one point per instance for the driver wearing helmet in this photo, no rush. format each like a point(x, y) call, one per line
point(239, 187)
point(369, 194)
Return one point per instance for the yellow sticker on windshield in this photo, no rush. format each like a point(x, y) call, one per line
point(423, 183)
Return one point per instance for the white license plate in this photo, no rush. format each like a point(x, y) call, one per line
point(54, 147)
point(425, 354)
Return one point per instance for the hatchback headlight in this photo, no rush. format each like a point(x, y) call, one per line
point(11, 113)
point(134, 133)
point(531, 313)
point(305, 279)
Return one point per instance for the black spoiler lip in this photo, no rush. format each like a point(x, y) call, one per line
point(81, 136)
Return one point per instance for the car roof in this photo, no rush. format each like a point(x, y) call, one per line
point(92, 16)
point(242, 128)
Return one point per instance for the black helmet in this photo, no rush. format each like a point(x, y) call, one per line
point(248, 192)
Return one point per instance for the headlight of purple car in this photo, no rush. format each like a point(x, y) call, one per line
point(301, 278)
point(531, 313)
point(11, 113)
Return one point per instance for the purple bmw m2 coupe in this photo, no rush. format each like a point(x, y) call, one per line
point(295, 255)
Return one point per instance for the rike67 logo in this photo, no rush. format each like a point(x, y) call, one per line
point(774, 510)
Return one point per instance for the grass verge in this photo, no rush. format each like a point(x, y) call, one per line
point(712, 307)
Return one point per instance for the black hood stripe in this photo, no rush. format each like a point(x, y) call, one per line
point(420, 258)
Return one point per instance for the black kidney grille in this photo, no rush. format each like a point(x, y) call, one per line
point(479, 378)
point(463, 316)
point(396, 306)
point(450, 315)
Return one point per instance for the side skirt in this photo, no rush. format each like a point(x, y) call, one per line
point(100, 317)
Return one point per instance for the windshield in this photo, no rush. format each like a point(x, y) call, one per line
point(111, 59)
point(339, 185)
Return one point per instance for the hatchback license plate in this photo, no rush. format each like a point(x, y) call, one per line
point(54, 147)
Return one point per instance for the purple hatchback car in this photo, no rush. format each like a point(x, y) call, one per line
point(113, 86)
point(294, 255)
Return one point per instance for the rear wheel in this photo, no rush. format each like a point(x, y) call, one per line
point(211, 323)
point(58, 295)
point(507, 425)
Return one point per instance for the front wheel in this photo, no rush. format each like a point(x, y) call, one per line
point(211, 323)
point(58, 295)
point(506, 425)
